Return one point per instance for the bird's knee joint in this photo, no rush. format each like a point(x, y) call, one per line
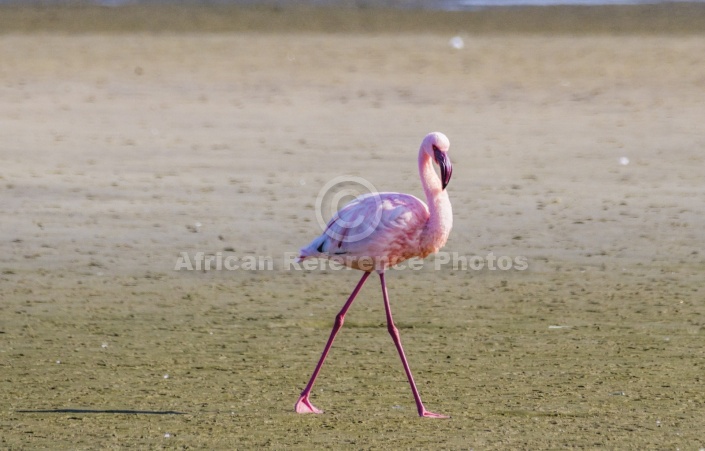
point(393, 331)
point(339, 320)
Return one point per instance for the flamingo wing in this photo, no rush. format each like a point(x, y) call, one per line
point(373, 225)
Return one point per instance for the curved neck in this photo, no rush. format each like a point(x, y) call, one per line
point(430, 181)
point(440, 220)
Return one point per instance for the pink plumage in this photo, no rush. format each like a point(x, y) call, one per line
point(379, 230)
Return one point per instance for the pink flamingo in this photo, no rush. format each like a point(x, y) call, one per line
point(378, 230)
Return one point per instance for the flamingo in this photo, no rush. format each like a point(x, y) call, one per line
point(379, 230)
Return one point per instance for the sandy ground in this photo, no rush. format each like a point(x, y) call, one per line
point(119, 152)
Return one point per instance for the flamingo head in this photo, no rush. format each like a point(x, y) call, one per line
point(436, 146)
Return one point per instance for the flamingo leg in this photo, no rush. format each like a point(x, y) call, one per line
point(303, 405)
point(397, 342)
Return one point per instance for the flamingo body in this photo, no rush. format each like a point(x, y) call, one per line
point(401, 219)
point(379, 230)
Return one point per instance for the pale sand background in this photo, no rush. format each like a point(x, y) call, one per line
point(115, 145)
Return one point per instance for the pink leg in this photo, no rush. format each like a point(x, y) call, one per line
point(397, 342)
point(303, 405)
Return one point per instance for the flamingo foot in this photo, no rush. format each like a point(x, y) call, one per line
point(303, 405)
point(427, 414)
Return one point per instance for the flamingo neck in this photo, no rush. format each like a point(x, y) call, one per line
point(429, 179)
point(440, 221)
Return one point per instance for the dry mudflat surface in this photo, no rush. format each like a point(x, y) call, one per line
point(122, 151)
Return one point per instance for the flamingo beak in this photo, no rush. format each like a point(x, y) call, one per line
point(446, 167)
